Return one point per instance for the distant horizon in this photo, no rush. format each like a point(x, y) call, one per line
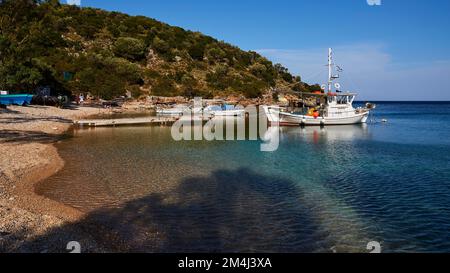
point(384, 53)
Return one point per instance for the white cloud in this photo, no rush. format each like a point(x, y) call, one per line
point(370, 71)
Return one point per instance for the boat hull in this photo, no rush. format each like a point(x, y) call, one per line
point(277, 117)
point(170, 113)
point(177, 111)
point(228, 113)
point(15, 99)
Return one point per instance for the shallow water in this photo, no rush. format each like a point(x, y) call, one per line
point(323, 190)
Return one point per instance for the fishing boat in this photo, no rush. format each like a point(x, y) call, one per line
point(333, 108)
point(224, 111)
point(23, 99)
point(176, 110)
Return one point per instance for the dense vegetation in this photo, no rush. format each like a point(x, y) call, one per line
point(73, 50)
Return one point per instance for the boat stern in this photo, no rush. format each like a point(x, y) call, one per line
point(365, 118)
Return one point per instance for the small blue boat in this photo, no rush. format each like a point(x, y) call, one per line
point(23, 99)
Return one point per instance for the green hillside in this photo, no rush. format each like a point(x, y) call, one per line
point(73, 50)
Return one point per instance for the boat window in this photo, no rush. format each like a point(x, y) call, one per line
point(344, 99)
point(341, 100)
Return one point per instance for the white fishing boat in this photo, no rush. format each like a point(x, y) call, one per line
point(176, 110)
point(224, 111)
point(336, 107)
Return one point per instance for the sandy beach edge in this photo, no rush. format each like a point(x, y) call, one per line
point(30, 200)
point(29, 156)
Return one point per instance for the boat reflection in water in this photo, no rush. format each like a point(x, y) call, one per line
point(326, 134)
point(233, 128)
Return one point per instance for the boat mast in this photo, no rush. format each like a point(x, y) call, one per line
point(330, 64)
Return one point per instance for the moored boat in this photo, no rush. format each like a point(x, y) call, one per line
point(21, 99)
point(224, 110)
point(335, 107)
point(176, 110)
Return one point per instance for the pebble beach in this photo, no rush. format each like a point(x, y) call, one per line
point(28, 156)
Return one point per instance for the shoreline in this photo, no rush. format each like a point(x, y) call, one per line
point(29, 156)
point(29, 199)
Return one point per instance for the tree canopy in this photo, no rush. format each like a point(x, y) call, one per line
point(109, 53)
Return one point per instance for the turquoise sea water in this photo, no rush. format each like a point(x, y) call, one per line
point(323, 190)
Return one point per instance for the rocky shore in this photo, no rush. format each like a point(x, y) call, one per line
point(27, 156)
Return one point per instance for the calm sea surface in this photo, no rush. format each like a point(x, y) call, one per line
point(323, 190)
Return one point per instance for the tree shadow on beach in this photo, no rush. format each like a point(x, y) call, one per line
point(18, 137)
point(5, 110)
point(26, 119)
point(228, 211)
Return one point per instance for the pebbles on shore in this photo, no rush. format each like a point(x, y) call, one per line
point(27, 155)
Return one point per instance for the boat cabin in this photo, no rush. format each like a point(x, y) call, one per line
point(339, 104)
point(340, 99)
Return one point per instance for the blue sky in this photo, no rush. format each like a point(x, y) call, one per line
point(396, 51)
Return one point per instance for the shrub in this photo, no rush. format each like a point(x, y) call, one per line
point(129, 48)
point(135, 90)
point(164, 87)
